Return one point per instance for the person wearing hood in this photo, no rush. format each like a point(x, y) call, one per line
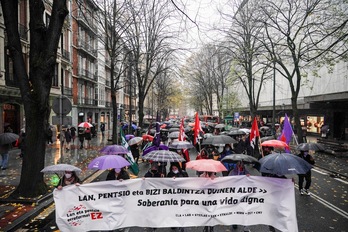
point(117, 174)
point(153, 171)
point(176, 171)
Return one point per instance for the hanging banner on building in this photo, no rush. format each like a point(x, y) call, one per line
point(180, 202)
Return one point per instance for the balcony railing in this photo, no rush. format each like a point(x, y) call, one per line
point(88, 22)
point(67, 91)
point(87, 75)
point(87, 47)
point(87, 101)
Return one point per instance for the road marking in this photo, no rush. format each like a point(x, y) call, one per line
point(343, 181)
point(320, 171)
point(327, 204)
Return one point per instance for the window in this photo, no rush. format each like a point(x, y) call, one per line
point(55, 77)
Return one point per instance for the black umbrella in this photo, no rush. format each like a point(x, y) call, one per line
point(236, 132)
point(284, 164)
point(219, 139)
point(8, 137)
point(234, 158)
point(310, 146)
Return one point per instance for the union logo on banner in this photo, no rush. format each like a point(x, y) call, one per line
point(76, 214)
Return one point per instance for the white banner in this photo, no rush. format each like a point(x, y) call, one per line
point(180, 202)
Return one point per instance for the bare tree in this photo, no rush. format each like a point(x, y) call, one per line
point(149, 39)
point(113, 22)
point(250, 68)
point(34, 86)
point(301, 36)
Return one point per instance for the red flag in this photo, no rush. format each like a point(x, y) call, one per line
point(254, 133)
point(196, 129)
point(181, 132)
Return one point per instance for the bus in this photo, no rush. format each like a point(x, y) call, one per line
point(209, 118)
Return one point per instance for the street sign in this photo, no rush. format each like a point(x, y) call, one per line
point(61, 105)
point(66, 120)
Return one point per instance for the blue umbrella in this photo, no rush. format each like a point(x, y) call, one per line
point(114, 150)
point(284, 164)
point(125, 126)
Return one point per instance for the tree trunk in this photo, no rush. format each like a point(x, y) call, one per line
point(35, 87)
point(141, 108)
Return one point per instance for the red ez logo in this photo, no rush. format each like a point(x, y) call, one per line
point(97, 215)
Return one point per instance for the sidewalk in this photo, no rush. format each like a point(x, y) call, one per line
point(13, 212)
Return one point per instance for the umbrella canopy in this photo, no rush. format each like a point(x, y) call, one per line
point(181, 145)
point(135, 140)
point(236, 132)
point(108, 161)
point(219, 139)
point(155, 148)
point(310, 146)
point(245, 130)
point(275, 143)
point(266, 138)
point(113, 150)
point(125, 126)
point(163, 156)
point(220, 126)
point(85, 125)
point(147, 137)
point(8, 137)
point(234, 158)
point(128, 137)
point(173, 129)
point(206, 165)
point(284, 164)
point(58, 168)
point(175, 135)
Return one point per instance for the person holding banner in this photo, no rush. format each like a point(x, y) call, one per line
point(117, 174)
point(70, 177)
point(153, 172)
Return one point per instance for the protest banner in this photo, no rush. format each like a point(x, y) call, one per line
point(180, 202)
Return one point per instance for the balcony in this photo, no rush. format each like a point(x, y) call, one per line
point(87, 101)
point(67, 91)
point(66, 54)
point(87, 48)
point(87, 22)
point(87, 75)
point(23, 32)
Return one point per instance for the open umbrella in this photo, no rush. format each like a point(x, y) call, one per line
point(128, 137)
point(108, 161)
point(8, 137)
point(173, 129)
point(236, 132)
point(113, 150)
point(206, 165)
point(181, 145)
point(148, 137)
point(163, 156)
point(59, 168)
point(155, 148)
point(85, 125)
point(310, 146)
point(135, 140)
point(219, 139)
point(234, 158)
point(275, 143)
point(175, 135)
point(284, 164)
point(220, 126)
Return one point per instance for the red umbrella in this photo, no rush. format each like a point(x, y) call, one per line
point(85, 125)
point(206, 165)
point(275, 143)
point(148, 137)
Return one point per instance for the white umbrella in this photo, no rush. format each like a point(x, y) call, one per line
point(60, 168)
point(85, 124)
point(135, 140)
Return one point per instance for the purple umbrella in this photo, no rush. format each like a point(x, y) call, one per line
point(114, 150)
point(108, 161)
point(128, 137)
point(154, 148)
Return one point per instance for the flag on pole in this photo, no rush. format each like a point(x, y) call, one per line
point(196, 129)
point(181, 131)
point(134, 166)
point(157, 138)
point(287, 131)
point(254, 133)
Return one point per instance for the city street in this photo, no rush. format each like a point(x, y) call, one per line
point(325, 210)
